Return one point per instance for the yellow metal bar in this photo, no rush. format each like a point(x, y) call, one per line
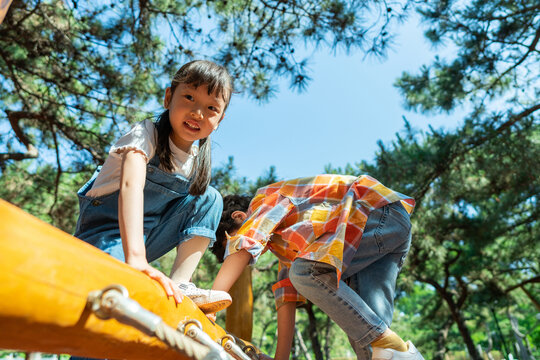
point(4, 6)
point(45, 277)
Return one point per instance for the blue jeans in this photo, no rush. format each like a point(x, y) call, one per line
point(363, 304)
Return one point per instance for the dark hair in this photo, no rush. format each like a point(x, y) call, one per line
point(219, 81)
point(231, 203)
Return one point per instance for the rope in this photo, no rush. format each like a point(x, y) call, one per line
point(181, 343)
point(114, 302)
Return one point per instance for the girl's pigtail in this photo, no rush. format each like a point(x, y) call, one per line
point(204, 168)
point(164, 128)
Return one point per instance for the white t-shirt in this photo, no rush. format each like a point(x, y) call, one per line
point(141, 137)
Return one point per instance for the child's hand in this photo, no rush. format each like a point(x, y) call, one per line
point(264, 357)
point(171, 289)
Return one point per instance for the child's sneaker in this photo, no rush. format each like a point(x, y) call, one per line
point(209, 301)
point(384, 354)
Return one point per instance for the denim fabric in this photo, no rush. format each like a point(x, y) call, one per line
point(363, 304)
point(171, 215)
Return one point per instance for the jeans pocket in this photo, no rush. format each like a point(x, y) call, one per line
point(400, 216)
point(394, 230)
point(379, 233)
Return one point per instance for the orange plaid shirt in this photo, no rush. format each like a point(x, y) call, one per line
point(319, 218)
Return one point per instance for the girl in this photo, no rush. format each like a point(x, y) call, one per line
point(340, 240)
point(152, 192)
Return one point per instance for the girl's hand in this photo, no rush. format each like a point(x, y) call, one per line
point(265, 357)
point(171, 289)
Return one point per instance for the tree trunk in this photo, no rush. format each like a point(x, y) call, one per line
point(312, 329)
point(239, 319)
point(523, 352)
point(302, 344)
point(466, 335)
point(462, 327)
point(33, 356)
point(490, 342)
point(327, 327)
point(441, 341)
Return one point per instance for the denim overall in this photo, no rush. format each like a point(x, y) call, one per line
point(171, 214)
point(363, 304)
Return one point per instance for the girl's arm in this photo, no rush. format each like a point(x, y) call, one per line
point(231, 269)
point(131, 217)
point(130, 207)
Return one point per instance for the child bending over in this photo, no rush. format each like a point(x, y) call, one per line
point(341, 242)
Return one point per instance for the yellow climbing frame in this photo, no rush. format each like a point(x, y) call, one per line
point(45, 277)
point(4, 6)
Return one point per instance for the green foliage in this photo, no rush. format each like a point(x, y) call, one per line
point(223, 179)
point(476, 221)
point(477, 210)
point(75, 74)
point(495, 61)
point(42, 191)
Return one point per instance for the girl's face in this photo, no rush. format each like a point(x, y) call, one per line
point(193, 113)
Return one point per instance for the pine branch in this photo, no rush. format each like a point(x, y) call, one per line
point(534, 280)
point(31, 151)
point(472, 144)
point(531, 48)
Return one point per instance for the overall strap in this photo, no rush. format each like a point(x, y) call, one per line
point(165, 176)
point(155, 160)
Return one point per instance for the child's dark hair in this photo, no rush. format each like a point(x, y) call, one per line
point(219, 81)
point(231, 203)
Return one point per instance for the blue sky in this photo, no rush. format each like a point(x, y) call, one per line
point(348, 106)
